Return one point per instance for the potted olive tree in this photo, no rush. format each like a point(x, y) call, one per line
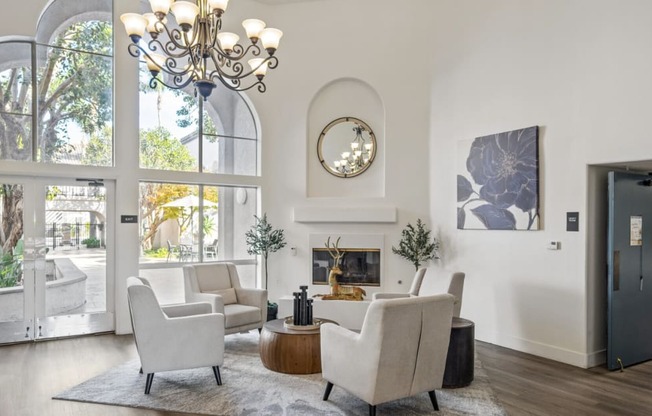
point(262, 240)
point(416, 245)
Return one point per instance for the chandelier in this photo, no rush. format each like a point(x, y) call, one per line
point(359, 156)
point(196, 50)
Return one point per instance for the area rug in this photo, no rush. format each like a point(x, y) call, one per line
point(248, 388)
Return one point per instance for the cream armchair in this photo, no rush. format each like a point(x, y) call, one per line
point(218, 284)
point(173, 337)
point(400, 351)
point(455, 288)
point(414, 288)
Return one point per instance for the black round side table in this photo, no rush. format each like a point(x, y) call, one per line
point(461, 354)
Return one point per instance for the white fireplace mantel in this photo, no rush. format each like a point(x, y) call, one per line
point(360, 214)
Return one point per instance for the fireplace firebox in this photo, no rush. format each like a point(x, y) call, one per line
point(360, 266)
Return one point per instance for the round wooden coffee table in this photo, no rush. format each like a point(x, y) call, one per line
point(290, 351)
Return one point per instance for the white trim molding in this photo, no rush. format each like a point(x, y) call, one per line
point(360, 214)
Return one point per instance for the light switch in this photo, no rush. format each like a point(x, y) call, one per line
point(554, 245)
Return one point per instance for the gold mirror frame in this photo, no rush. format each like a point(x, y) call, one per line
point(353, 167)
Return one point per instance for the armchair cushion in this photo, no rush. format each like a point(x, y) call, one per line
point(210, 281)
point(238, 315)
point(228, 295)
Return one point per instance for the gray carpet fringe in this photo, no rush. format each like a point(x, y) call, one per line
point(250, 389)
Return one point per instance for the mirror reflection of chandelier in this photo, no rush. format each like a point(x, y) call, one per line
point(360, 154)
point(198, 51)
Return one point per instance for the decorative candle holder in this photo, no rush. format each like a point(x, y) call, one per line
point(302, 317)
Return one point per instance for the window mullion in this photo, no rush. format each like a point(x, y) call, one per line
point(35, 121)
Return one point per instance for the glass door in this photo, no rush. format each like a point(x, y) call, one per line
point(55, 276)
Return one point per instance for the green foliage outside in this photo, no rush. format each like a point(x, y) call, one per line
point(11, 265)
point(208, 225)
point(263, 239)
point(91, 242)
point(416, 246)
point(159, 253)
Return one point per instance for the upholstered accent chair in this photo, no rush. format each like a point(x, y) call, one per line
point(456, 288)
point(414, 288)
point(400, 351)
point(218, 283)
point(173, 337)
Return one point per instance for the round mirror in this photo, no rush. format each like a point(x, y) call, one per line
point(346, 147)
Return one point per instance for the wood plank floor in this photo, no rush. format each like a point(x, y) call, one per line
point(529, 385)
point(30, 374)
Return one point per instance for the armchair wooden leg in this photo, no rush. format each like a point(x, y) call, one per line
point(433, 399)
point(148, 382)
point(372, 410)
point(140, 371)
point(218, 378)
point(329, 387)
point(260, 330)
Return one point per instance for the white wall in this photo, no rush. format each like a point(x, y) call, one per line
point(351, 44)
point(577, 69)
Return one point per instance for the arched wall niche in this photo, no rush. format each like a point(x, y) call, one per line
point(346, 97)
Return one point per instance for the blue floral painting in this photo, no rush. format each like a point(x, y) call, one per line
point(498, 188)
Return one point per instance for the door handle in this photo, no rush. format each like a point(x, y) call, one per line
point(616, 282)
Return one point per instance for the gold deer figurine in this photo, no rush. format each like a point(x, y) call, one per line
point(339, 292)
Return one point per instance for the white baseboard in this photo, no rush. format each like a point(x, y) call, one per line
point(552, 352)
point(596, 358)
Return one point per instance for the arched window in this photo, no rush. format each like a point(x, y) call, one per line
point(56, 91)
point(220, 132)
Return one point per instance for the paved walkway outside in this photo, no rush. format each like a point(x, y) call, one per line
point(166, 282)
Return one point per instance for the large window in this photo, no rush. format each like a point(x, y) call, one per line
point(195, 222)
point(68, 117)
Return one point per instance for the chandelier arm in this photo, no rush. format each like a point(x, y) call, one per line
point(237, 68)
point(175, 41)
point(235, 84)
point(168, 48)
point(215, 29)
point(178, 82)
point(271, 61)
point(136, 51)
point(238, 52)
point(171, 68)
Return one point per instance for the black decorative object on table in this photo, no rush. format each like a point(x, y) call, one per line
point(302, 308)
point(309, 319)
